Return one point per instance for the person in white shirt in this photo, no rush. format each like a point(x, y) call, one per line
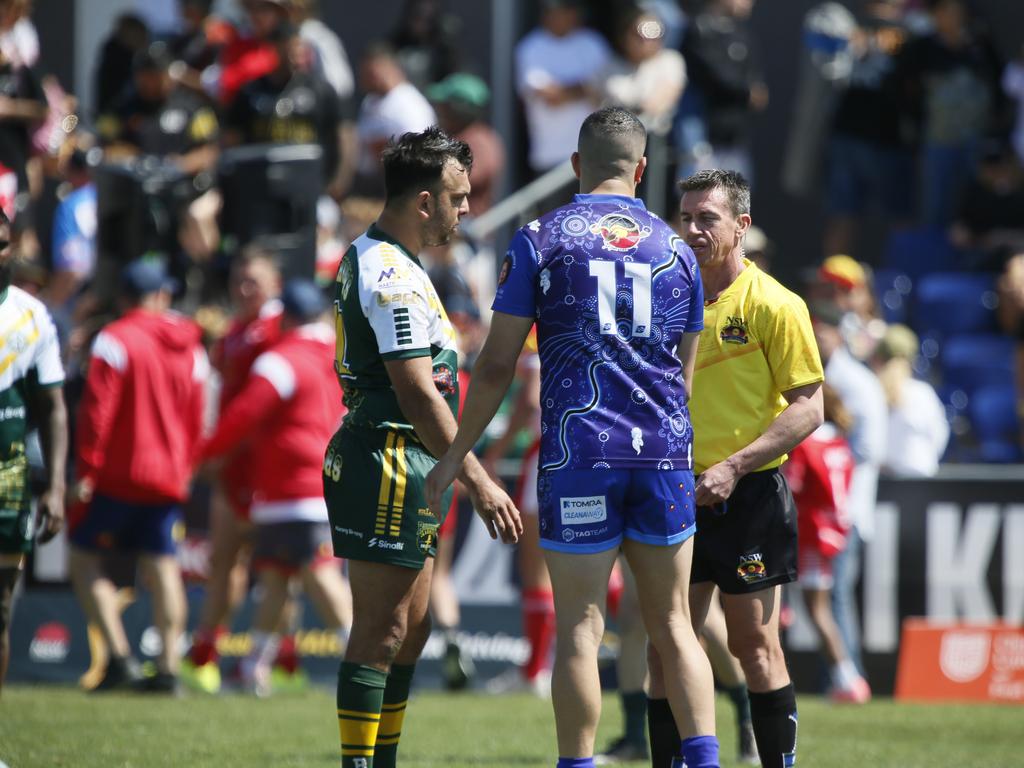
point(555, 64)
point(862, 394)
point(918, 428)
point(646, 77)
point(392, 106)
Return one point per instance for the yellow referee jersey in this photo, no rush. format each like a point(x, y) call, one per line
point(756, 344)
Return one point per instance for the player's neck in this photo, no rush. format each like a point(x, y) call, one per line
point(395, 224)
point(607, 187)
point(718, 276)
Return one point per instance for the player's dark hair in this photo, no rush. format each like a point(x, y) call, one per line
point(736, 188)
point(612, 123)
point(415, 161)
point(4, 220)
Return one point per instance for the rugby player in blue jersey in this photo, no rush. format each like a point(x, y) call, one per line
point(618, 303)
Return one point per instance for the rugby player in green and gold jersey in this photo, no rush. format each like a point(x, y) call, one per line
point(31, 375)
point(396, 359)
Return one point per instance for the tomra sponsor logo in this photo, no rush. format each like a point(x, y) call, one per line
point(397, 546)
point(51, 643)
point(583, 510)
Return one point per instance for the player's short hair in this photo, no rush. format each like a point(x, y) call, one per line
point(260, 249)
point(416, 161)
point(4, 220)
point(611, 141)
point(736, 188)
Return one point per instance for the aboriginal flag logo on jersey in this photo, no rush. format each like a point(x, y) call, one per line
point(620, 232)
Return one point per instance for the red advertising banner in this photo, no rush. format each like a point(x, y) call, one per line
point(961, 662)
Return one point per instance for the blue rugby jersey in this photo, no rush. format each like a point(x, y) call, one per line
point(613, 289)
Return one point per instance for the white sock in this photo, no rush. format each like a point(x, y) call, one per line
point(845, 674)
point(264, 648)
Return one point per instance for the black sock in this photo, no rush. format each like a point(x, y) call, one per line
point(634, 715)
point(663, 733)
point(774, 717)
point(740, 701)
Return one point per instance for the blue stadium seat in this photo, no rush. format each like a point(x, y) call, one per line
point(947, 303)
point(892, 288)
point(976, 360)
point(993, 414)
point(918, 252)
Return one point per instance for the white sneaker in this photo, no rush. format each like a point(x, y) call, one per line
point(513, 681)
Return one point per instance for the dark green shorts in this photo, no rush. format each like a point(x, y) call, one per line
point(16, 531)
point(373, 484)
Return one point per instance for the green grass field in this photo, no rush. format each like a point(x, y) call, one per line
point(51, 727)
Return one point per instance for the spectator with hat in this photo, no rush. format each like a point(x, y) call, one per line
point(461, 102)
point(139, 427)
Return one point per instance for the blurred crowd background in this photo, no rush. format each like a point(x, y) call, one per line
point(884, 140)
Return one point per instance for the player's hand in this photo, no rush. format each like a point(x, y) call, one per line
point(715, 484)
point(440, 477)
point(497, 511)
point(51, 514)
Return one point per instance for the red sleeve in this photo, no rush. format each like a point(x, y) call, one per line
point(99, 405)
point(795, 469)
point(255, 403)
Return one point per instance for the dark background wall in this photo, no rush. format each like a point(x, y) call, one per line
point(794, 224)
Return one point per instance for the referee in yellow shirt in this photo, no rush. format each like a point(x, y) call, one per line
point(756, 395)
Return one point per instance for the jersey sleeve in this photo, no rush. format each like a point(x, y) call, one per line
point(397, 306)
point(47, 365)
point(789, 345)
point(517, 293)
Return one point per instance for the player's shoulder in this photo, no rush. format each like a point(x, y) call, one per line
point(378, 259)
point(22, 303)
point(770, 293)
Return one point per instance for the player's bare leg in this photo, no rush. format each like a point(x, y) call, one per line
point(580, 584)
point(10, 570)
point(230, 550)
point(662, 576)
point(847, 683)
point(457, 667)
point(390, 625)
point(169, 606)
point(329, 591)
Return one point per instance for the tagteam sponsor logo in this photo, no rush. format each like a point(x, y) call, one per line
point(570, 535)
point(583, 510)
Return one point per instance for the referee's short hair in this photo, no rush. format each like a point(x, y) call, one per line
point(736, 188)
point(415, 161)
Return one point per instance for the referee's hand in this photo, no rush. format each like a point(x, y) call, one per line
point(497, 510)
point(715, 484)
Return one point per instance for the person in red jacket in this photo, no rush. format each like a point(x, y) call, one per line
point(139, 431)
point(254, 284)
point(287, 411)
point(819, 472)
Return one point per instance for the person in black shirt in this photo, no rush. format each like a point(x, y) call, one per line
point(292, 105)
point(989, 224)
point(722, 67)
point(157, 117)
point(870, 153)
point(22, 106)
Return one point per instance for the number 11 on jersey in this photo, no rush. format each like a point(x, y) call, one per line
point(607, 287)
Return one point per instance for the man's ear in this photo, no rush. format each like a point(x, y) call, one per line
point(743, 222)
point(638, 172)
point(575, 160)
point(425, 204)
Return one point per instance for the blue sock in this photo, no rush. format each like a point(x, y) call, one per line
point(575, 762)
point(700, 752)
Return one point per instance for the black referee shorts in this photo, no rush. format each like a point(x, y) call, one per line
point(748, 543)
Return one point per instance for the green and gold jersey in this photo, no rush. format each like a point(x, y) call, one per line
point(29, 357)
point(387, 309)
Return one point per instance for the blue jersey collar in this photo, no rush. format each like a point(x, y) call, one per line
point(636, 202)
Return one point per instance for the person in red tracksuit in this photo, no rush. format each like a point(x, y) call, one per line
point(255, 284)
point(139, 431)
point(287, 411)
point(819, 472)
